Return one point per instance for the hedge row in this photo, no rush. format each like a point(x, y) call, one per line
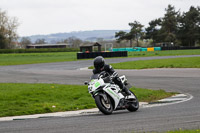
point(43, 50)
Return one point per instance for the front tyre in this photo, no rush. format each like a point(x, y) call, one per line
point(105, 106)
point(133, 104)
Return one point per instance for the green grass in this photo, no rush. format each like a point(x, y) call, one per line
point(189, 62)
point(147, 95)
point(32, 58)
point(164, 53)
point(25, 99)
point(179, 131)
point(185, 131)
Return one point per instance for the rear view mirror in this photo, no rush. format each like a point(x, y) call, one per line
point(86, 82)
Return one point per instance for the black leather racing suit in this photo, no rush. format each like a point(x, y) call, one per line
point(108, 68)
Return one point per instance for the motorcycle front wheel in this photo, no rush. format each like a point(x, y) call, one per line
point(134, 104)
point(105, 106)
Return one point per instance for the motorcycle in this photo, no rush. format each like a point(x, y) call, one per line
point(108, 96)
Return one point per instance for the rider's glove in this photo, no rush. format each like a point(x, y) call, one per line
point(115, 74)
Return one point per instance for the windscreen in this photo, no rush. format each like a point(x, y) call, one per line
point(95, 76)
point(106, 79)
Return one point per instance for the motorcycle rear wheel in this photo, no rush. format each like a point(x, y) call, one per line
point(106, 107)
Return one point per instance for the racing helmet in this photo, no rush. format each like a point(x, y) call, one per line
point(99, 62)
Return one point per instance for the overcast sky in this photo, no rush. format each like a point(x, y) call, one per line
point(53, 16)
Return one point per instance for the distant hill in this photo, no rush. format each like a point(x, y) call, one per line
point(83, 35)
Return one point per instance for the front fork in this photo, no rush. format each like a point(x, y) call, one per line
point(103, 94)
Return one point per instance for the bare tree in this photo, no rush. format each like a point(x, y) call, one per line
point(74, 42)
point(12, 30)
point(40, 41)
point(8, 29)
point(25, 41)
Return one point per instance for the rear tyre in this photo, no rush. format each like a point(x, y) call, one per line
point(133, 104)
point(104, 106)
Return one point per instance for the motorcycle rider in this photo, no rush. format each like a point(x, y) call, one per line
point(99, 66)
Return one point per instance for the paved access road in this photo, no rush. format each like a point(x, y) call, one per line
point(183, 115)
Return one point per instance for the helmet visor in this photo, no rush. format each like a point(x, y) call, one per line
point(98, 66)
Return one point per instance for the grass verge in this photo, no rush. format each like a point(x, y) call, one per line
point(147, 95)
point(189, 62)
point(180, 131)
point(185, 131)
point(24, 99)
point(164, 53)
point(32, 58)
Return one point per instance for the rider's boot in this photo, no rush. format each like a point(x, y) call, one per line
point(126, 90)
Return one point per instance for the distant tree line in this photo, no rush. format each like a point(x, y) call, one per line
point(71, 41)
point(178, 28)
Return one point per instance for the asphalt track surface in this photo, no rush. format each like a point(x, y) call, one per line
point(184, 115)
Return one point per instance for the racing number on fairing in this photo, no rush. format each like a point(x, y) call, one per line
point(97, 84)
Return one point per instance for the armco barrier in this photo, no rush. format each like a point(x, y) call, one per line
point(104, 54)
point(137, 49)
point(144, 49)
point(157, 48)
point(150, 49)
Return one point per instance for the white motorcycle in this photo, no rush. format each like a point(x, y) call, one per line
point(108, 96)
